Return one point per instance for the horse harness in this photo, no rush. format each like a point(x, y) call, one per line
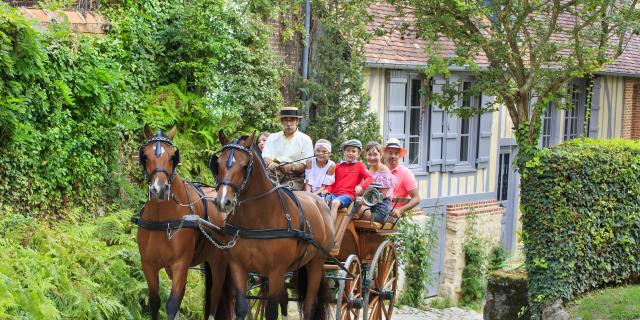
point(192, 220)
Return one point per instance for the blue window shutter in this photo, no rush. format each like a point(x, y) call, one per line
point(396, 115)
point(436, 127)
point(451, 132)
point(484, 133)
point(594, 118)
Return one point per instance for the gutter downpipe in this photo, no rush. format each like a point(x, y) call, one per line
point(305, 60)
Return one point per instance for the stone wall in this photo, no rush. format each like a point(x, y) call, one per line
point(487, 217)
point(631, 113)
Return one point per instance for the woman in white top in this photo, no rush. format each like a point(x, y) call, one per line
point(320, 170)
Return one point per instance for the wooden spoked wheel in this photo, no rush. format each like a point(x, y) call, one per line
point(382, 280)
point(257, 295)
point(349, 299)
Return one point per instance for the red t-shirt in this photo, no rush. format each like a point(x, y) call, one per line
point(348, 176)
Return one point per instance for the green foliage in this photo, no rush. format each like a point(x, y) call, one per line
point(474, 274)
point(72, 106)
point(497, 259)
point(414, 242)
point(84, 269)
point(580, 217)
point(513, 51)
point(337, 100)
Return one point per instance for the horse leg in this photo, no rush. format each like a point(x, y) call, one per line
point(178, 284)
point(153, 283)
point(217, 276)
point(276, 288)
point(314, 277)
point(208, 285)
point(239, 276)
point(284, 300)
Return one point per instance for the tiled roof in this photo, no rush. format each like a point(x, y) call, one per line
point(398, 46)
point(88, 22)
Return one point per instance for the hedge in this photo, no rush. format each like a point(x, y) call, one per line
point(581, 218)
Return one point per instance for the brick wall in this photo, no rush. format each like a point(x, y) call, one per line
point(487, 221)
point(631, 113)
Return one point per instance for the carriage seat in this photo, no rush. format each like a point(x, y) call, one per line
point(389, 226)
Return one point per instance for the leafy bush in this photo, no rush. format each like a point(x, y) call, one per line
point(581, 218)
point(474, 281)
point(414, 242)
point(72, 106)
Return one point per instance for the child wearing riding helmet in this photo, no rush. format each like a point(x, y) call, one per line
point(320, 170)
point(352, 178)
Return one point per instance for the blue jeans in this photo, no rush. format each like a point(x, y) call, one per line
point(344, 199)
point(381, 210)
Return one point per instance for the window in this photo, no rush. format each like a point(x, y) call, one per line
point(571, 119)
point(546, 126)
point(405, 115)
point(467, 125)
point(415, 122)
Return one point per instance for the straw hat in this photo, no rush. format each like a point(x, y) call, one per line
point(394, 143)
point(289, 112)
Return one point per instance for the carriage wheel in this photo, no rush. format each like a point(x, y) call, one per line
point(381, 283)
point(349, 299)
point(257, 295)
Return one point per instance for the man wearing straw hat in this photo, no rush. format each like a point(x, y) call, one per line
point(406, 187)
point(283, 150)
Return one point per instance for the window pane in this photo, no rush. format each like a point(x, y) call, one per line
point(414, 124)
point(503, 183)
point(464, 129)
point(464, 148)
point(414, 150)
point(466, 99)
point(416, 85)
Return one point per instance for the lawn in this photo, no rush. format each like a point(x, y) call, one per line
point(611, 303)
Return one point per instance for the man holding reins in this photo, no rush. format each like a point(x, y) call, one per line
point(284, 150)
point(406, 186)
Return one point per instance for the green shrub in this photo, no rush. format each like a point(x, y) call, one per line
point(474, 281)
point(414, 242)
point(84, 269)
point(72, 106)
point(581, 218)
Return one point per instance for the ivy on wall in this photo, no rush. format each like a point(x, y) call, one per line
point(581, 218)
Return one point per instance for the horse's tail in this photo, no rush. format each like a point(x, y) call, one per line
point(208, 282)
point(321, 310)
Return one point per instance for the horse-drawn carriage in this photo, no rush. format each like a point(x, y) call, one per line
point(368, 290)
point(279, 246)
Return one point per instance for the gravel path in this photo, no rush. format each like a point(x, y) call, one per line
point(454, 313)
point(408, 313)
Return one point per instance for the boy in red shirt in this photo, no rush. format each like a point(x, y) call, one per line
point(351, 178)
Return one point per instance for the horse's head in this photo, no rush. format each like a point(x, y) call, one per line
point(159, 159)
point(232, 169)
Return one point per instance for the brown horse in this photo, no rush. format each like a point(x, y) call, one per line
point(165, 241)
point(265, 217)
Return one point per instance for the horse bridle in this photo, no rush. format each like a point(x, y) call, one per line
point(158, 139)
point(230, 160)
